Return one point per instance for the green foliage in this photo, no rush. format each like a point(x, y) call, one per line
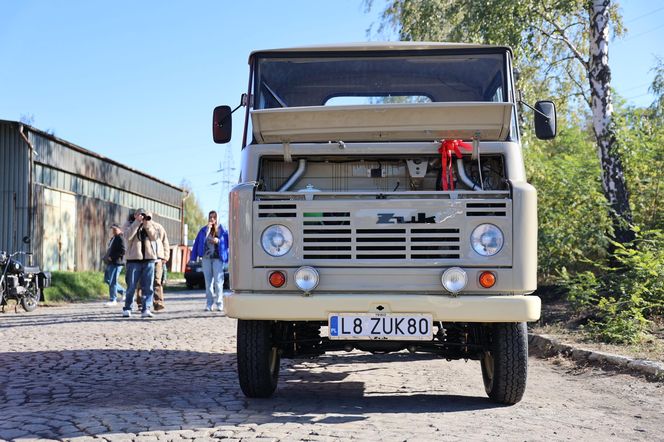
point(640, 136)
point(622, 297)
point(193, 214)
point(619, 323)
point(76, 286)
point(550, 38)
point(572, 216)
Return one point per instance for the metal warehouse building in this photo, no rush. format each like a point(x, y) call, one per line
point(65, 197)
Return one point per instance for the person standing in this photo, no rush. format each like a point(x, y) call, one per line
point(211, 244)
point(141, 237)
point(163, 254)
point(114, 260)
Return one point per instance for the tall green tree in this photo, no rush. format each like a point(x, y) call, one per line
point(193, 214)
point(563, 47)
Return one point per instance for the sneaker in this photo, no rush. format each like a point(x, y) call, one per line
point(220, 307)
point(111, 303)
point(147, 314)
point(208, 309)
point(126, 313)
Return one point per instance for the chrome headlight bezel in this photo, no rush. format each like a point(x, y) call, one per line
point(487, 240)
point(454, 279)
point(277, 240)
point(306, 278)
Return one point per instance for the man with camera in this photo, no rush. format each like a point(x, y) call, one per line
point(163, 254)
point(141, 237)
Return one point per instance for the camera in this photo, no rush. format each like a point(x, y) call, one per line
point(146, 217)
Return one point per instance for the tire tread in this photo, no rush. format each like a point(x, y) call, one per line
point(253, 359)
point(510, 353)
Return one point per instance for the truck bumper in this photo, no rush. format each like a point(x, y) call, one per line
point(466, 308)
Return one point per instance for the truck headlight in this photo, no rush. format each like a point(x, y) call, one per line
point(487, 239)
point(454, 279)
point(277, 240)
point(306, 278)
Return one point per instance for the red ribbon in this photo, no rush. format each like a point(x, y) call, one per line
point(447, 147)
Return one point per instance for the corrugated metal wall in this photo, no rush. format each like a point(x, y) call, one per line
point(77, 161)
point(93, 214)
point(13, 188)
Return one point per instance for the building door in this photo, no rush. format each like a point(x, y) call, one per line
point(59, 245)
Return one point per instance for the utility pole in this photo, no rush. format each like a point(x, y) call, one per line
point(227, 169)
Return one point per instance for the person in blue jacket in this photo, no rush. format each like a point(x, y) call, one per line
point(211, 244)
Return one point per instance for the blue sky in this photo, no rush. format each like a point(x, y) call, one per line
point(136, 81)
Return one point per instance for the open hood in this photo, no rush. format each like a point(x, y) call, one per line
point(384, 122)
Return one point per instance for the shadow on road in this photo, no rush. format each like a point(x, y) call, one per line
point(130, 391)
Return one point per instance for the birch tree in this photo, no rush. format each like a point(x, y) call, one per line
point(561, 46)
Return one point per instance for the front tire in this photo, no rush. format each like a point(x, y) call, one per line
point(505, 365)
point(30, 300)
point(257, 358)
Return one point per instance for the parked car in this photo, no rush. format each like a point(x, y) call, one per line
point(193, 275)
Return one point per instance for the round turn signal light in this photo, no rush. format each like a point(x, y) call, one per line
point(277, 279)
point(487, 279)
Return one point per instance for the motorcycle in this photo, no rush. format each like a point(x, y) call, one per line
point(24, 284)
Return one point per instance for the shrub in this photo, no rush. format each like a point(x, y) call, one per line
point(572, 214)
point(625, 296)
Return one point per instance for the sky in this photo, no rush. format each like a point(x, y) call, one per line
point(136, 81)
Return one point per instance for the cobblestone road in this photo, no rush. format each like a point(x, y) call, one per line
point(82, 372)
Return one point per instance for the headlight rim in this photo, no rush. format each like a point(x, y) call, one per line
point(288, 240)
point(307, 268)
point(454, 269)
point(473, 242)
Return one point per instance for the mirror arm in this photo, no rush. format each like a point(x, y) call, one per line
point(535, 110)
point(243, 102)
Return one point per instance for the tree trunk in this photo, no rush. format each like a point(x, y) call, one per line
point(599, 74)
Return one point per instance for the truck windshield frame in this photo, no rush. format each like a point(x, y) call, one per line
point(301, 79)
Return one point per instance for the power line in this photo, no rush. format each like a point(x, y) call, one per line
point(639, 35)
point(636, 87)
point(644, 15)
point(637, 96)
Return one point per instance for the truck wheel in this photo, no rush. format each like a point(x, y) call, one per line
point(257, 359)
point(505, 365)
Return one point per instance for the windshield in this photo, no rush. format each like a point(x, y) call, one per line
point(287, 80)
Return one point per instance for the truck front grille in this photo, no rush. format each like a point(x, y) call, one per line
point(331, 235)
point(410, 231)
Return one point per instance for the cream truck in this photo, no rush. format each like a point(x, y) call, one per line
point(383, 207)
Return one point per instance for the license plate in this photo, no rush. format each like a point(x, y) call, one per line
point(199, 270)
point(383, 326)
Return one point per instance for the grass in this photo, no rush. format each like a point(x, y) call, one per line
point(90, 286)
point(76, 286)
point(175, 275)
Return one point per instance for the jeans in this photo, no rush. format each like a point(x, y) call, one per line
point(139, 272)
point(157, 289)
point(111, 276)
point(213, 271)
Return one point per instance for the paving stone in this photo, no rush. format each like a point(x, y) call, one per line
point(175, 378)
point(11, 433)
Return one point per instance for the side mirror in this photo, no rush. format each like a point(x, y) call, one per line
point(545, 120)
point(222, 124)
